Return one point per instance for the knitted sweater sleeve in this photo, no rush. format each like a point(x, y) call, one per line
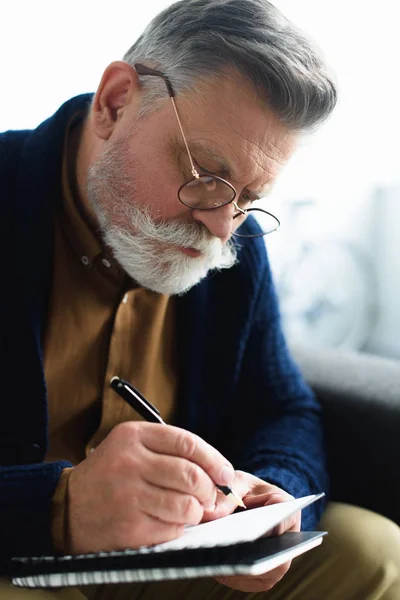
point(26, 493)
point(277, 420)
point(26, 490)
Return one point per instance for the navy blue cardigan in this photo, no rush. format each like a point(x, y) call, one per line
point(239, 388)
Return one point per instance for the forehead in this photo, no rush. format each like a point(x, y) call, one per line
point(225, 119)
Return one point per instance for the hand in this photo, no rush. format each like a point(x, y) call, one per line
point(140, 486)
point(255, 492)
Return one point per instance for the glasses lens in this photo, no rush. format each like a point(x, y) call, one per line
point(266, 223)
point(206, 192)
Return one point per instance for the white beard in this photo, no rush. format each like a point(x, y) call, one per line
point(147, 250)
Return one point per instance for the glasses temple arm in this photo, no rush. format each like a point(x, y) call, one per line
point(194, 172)
point(143, 70)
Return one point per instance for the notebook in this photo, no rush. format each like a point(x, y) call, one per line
point(240, 543)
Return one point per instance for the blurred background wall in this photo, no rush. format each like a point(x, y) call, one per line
point(335, 257)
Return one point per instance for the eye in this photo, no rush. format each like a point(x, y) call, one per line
point(203, 169)
point(246, 200)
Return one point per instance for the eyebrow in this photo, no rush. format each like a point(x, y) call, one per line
point(224, 165)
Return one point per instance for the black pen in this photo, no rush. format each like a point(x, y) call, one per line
point(150, 413)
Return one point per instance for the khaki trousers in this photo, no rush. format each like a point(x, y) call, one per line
point(358, 560)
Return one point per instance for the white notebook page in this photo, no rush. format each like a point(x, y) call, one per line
point(239, 527)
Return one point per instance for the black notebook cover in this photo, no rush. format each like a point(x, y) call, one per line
point(251, 558)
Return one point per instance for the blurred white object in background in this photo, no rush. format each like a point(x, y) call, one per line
point(328, 296)
point(326, 284)
point(385, 337)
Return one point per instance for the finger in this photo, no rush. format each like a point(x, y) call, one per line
point(260, 583)
point(225, 505)
point(267, 498)
point(175, 441)
point(276, 497)
point(181, 475)
point(150, 530)
point(167, 505)
point(246, 584)
point(290, 524)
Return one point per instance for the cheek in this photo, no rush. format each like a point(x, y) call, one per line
point(158, 194)
point(157, 187)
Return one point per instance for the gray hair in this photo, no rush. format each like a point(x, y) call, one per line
point(193, 40)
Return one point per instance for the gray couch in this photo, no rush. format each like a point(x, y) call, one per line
point(360, 395)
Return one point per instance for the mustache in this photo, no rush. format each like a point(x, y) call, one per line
point(174, 232)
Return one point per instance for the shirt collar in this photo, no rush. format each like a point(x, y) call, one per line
point(79, 227)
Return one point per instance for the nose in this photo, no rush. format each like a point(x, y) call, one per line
point(219, 221)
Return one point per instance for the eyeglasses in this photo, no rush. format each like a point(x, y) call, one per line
point(206, 191)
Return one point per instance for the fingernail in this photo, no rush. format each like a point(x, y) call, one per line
point(227, 474)
point(211, 508)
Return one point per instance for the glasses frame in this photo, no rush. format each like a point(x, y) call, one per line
point(143, 70)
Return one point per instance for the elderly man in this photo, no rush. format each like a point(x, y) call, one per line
point(130, 248)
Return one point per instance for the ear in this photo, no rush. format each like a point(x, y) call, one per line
point(118, 87)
